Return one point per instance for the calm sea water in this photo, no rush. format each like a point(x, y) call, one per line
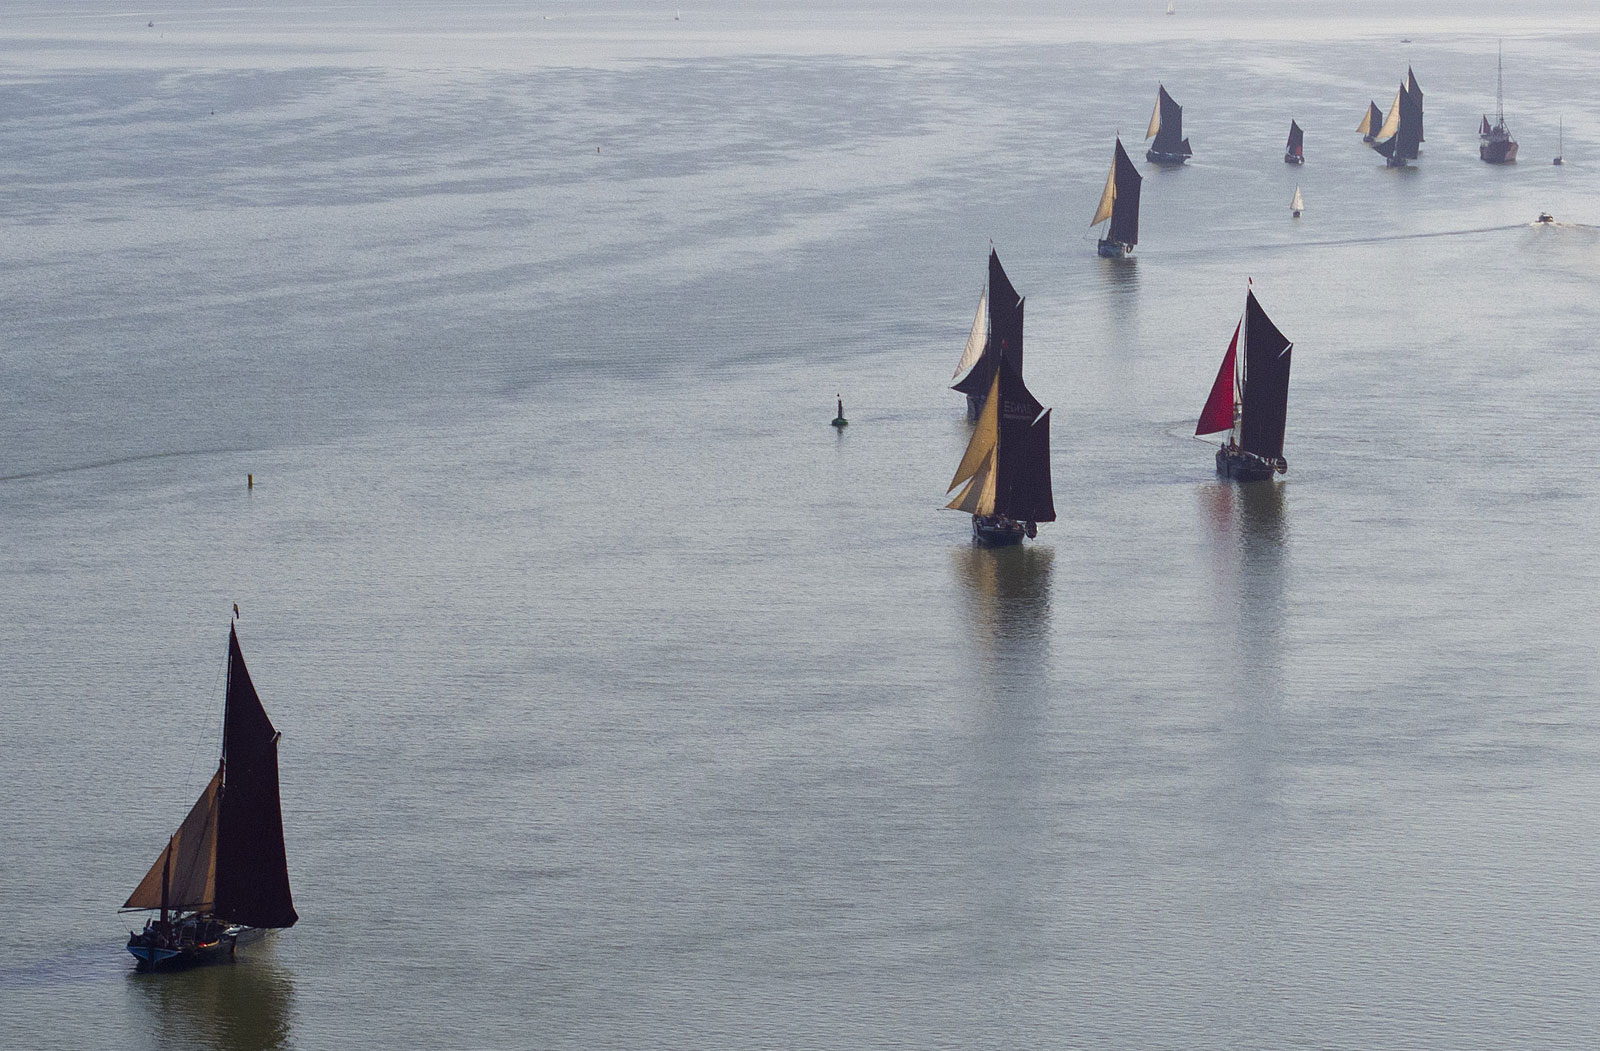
point(626, 704)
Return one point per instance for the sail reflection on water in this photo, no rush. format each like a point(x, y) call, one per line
point(1249, 535)
point(239, 1006)
point(1008, 594)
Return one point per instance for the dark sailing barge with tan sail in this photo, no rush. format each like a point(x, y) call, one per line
point(1166, 128)
point(1401, 135)
point(223, 877)
point(1120, 204)
point(1250, 398)
point(1007, 464)
point(996, 333)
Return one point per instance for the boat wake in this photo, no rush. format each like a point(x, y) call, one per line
point(46, 472)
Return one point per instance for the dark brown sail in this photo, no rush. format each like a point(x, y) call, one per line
point(1005, 331)
point(1031, 498)
point(252, 878)
point(1296, 144)
point(1266, 383)
point(1022, 481)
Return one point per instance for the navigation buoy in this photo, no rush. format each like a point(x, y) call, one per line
point(839, 420)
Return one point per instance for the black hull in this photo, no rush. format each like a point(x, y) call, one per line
point(999, 531)
point(1290, 158)
point(1369, 138)
point(1247, 467)
point(149, 957)
point(1395, 162)
point(974, 407)
point(1165, 158)
point(1109, 249)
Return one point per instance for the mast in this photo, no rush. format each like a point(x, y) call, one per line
point(1499, 84)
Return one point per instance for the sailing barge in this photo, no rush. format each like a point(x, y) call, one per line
point(1294, 151)
point(1495, 144)
point(1166, 127)
point(1006, 467)
point(1371, 123)
point(1250, 398)
point(223, 877)
point(1120, 204)
point(996, 333)
point(1401, 134)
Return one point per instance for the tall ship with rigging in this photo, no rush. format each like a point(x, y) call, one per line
point(1166, 128)
point(1294, 151)
point(1006, 466)
point(1120, 204)
point(1495, 144)
point(1250, 398)
point(996, 333)
point(1401, 135)
point(223, 876)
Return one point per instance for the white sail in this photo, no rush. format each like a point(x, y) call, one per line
point(978, 338)
point(1391, 123)
point(1298, 204)
point(1109, 198)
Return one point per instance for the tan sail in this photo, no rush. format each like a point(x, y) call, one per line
point(1155, 120)
point(1391, 123)
point(978, 339)
point(985, 436)
point(192, 852)
point(978, 497)
point(1365, 127)
point(1109, 198)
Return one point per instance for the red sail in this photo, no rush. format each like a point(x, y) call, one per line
point(1218, 413)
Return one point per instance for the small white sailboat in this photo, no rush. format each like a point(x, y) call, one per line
point(1170, 9)
point(1298, 204)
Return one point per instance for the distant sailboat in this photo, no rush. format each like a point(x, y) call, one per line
point(1371, 123)
point(1006, 466)
point(223, 877)
point(1495, 145)
point(1166, 127)
point(996, 333)
point(1560, 146)
point(1297, 205)
point(1294, 150)
point(1401, 133)
point(1170, 9)
point(1250, 398)
point(1120, 204)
